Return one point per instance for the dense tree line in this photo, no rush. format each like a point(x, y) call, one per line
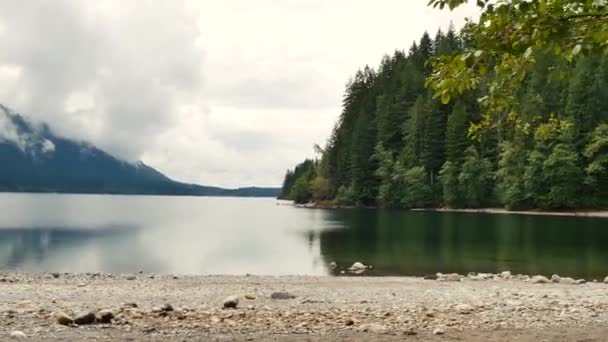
point(396, 145)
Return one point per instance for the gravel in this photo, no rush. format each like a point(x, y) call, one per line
point(336, 308)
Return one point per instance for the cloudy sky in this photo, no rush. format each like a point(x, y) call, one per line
point(218, 92)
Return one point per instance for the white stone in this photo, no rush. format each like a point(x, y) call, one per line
point(567, 281)
point(539, 279)
point(438, 331)
point(358, 266)
point(18, 335)
point(448, 277)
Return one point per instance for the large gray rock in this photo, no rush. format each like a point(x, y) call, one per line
point(84, 318)
point(555, 278)
point(606, 280)
point(231, 302)
point(539, 279)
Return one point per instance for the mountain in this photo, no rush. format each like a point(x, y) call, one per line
point(34, 159)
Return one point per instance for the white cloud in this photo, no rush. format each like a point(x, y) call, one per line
point(228, 92)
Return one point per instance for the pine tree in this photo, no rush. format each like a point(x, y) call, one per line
point(475, 179)
point(456, 140)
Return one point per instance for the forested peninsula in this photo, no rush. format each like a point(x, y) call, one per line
point(399, 145)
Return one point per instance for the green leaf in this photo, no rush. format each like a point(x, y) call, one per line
point(445, 98)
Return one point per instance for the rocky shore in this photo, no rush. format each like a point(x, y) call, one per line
point(134, 307)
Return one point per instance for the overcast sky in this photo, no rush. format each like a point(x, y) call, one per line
point(217, 92)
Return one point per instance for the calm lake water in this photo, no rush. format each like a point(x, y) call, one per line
point(200, 235)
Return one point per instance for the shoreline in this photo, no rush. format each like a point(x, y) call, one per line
point(307, 308)
point(499, 211)
point(492, 211)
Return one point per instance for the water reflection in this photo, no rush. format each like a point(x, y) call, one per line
point(190, 235)
point(68, 249)
point(414, 243)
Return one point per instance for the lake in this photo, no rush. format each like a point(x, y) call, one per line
point(205, 235)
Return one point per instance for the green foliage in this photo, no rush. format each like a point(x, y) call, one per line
point(528, 129)
point(563, 177)
point(511, 171)
point(475, 179)
point(417, 192)
point(450, 185)
point(389, 172)
point(304, 168)
point(597, 169)
point(320, 188)
point(510, 37)
point(456, 134)
point(345, 196)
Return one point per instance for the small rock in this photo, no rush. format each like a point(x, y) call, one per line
point(148, 330)
point(555, 278)
point(130, 277)
point(373, 328)
point(357, 266)
point(63, 319)
point(18, 335)
point(464, 309)
point(448, 277)
point(349, 322)
point(410, 332)
point(438, 331)
point(167, 307)
point(505, 274)
point(606, 280)
point(539, 279)
point(333, 265)
point(55, 275)
point(567, 281)
point(430, 277)
point(175, 277)
point(282, 295)
point(231, 302)
point(81, 285)
point(156, 309)
point(105, 316)
point(581, 281)
point(84, 318)
point(129, 305)
point(249, 297)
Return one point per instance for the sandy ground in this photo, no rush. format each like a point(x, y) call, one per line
point(324, 309)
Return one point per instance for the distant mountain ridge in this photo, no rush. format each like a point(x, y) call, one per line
point(34, 159)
